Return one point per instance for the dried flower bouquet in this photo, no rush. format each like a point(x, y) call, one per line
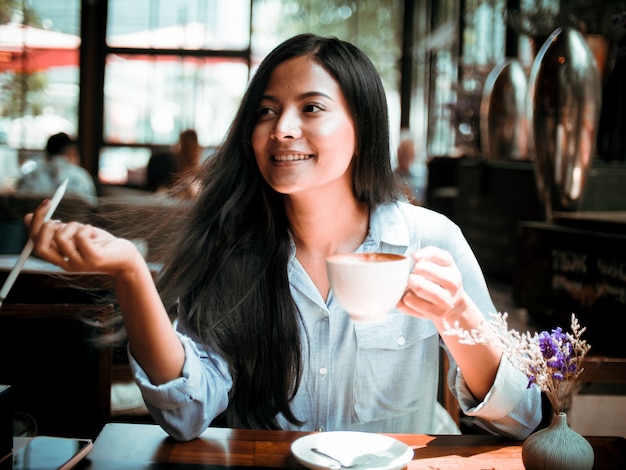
point(551, 360)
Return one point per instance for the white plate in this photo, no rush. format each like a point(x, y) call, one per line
point(384, 452)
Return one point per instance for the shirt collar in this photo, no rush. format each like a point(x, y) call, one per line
point(387, 226)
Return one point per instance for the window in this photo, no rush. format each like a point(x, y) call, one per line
point(186, 63)
point(171, 65)
point(464, 46)
point(39, 75)
point(176, 64)
point(172, 76)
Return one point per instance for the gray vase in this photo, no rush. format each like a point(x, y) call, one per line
point(557, 447)
point(564, 107)
point(503, 117)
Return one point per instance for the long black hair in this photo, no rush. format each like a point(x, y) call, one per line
point(228, 271)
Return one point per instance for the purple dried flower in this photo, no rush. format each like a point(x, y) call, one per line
point(557, 349)
point(550, 343)
point(555, 364)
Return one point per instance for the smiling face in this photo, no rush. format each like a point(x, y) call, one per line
point(304, 138)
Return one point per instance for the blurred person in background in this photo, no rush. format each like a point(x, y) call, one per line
point(410, 183)
point(62, 162)
point(167, 170)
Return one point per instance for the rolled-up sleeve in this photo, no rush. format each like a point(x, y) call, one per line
point(510, 408)
point(186, 406)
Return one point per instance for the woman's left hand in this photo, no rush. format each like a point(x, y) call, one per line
point(435, 292)
point(435, 288)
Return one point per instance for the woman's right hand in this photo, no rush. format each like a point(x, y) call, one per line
point(78, 247)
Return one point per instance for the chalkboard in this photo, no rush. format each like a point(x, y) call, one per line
point(563, 270)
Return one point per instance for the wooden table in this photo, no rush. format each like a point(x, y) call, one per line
point(143, 446)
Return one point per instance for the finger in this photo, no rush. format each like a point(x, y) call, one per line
point(414, 304)
point(431, 292)
point(28, 218)
point(425, 271)
point(434, 255)
point(85, 240)
point(64, 238)
point(72, 261)
point(36, 219)
point(87, 248)
point(43, 238)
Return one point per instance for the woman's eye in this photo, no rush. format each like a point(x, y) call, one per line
point(313, 108)
point(265, 111)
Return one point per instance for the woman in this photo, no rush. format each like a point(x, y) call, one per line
point(260, 341)
point(174, 172)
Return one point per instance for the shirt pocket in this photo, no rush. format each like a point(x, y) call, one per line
point(397, 363)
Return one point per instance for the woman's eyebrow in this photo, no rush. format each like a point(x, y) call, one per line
point(302, 96)
point(310, 94)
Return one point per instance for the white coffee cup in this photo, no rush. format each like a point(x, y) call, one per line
point(368, 285)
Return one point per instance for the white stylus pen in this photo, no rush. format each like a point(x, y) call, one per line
point(28, 248)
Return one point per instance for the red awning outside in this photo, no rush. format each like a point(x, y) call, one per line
point(27, 49)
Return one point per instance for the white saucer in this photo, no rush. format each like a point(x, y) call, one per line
point(384, 452)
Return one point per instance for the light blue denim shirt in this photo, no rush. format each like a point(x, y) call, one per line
point(376, 377)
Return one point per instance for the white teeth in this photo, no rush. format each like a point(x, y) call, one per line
point(290, 157)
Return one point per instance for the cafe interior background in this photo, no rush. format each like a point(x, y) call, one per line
point(126, 76)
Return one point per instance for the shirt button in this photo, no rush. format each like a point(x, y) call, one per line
point(323, 371)
point(320, 429)
point(400, 341)
point(325, 313)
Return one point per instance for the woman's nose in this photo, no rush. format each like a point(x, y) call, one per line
point(287, 127)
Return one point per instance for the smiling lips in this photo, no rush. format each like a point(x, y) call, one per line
point(291, 157)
